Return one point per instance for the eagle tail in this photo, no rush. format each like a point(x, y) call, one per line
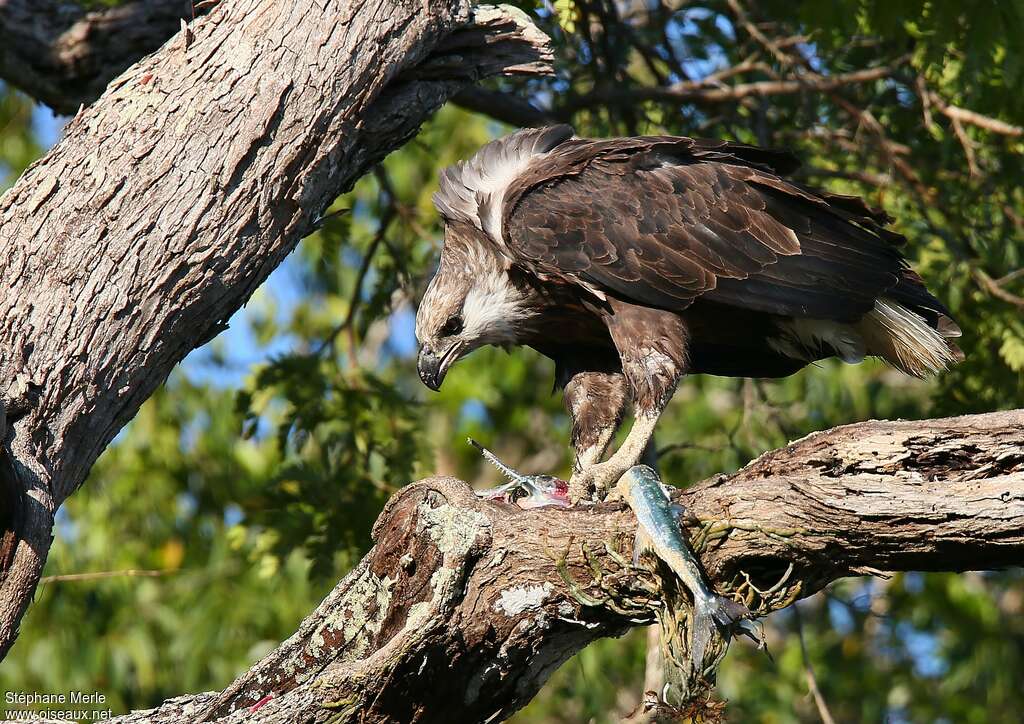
point(906, 340)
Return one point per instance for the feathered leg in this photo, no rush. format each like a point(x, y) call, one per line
point(596, 399)
point(596, 395)
point(596, 402)
point(652, 348)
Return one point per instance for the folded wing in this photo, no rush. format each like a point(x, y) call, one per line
point(663, 221)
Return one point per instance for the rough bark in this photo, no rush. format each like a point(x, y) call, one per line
point(173, 197)
point(64, 55)
point(464, 607)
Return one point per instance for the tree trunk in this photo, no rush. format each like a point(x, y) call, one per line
point(174, 196)
point(464, 607)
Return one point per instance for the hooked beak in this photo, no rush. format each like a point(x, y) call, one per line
point(432, 367)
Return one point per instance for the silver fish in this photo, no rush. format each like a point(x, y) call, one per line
point(659, 532)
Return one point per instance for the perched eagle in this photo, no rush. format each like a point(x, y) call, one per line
point(633, 261)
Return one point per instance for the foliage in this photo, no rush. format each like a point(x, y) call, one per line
point(253, 477)
point(18, 145)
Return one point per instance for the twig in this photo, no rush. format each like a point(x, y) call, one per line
point(1011, 277)
point(812, 80)
point(750, 63)
point(387, 216)
point(677, 446)
point(865, 177)
point(99, 575)
point(698, 92)
point(926, 104)
point(812, 682)
point(957, 117)
point(792, 40)
point(994, 287)
point(955, 113)
point(968, 146)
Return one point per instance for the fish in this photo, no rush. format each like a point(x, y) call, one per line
point(658, 531)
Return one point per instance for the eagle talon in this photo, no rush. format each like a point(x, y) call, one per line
point(595, 483)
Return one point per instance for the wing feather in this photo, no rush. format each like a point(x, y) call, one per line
point(662, 221)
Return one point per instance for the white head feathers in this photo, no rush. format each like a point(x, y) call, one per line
point(472, 283)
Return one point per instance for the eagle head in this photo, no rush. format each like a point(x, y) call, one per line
point(471, 301)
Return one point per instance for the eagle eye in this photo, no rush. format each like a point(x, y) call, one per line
point(451, 327)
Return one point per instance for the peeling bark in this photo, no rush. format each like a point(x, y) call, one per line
point(173, 197)
point(464, 607)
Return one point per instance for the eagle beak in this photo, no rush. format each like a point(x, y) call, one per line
point(433, 367)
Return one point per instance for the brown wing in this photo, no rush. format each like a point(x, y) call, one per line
point(661, 221)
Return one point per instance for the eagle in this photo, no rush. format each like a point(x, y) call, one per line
point(631, 262)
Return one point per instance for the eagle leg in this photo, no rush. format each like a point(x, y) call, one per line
point(602, 477)
point(526, 491)
point(652, 347)
point(713, 617)
point(596, 401)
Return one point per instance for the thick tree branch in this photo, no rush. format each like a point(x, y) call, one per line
point(64, 55)
point(172, 198)
point(465, 607)
point(504, 107)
